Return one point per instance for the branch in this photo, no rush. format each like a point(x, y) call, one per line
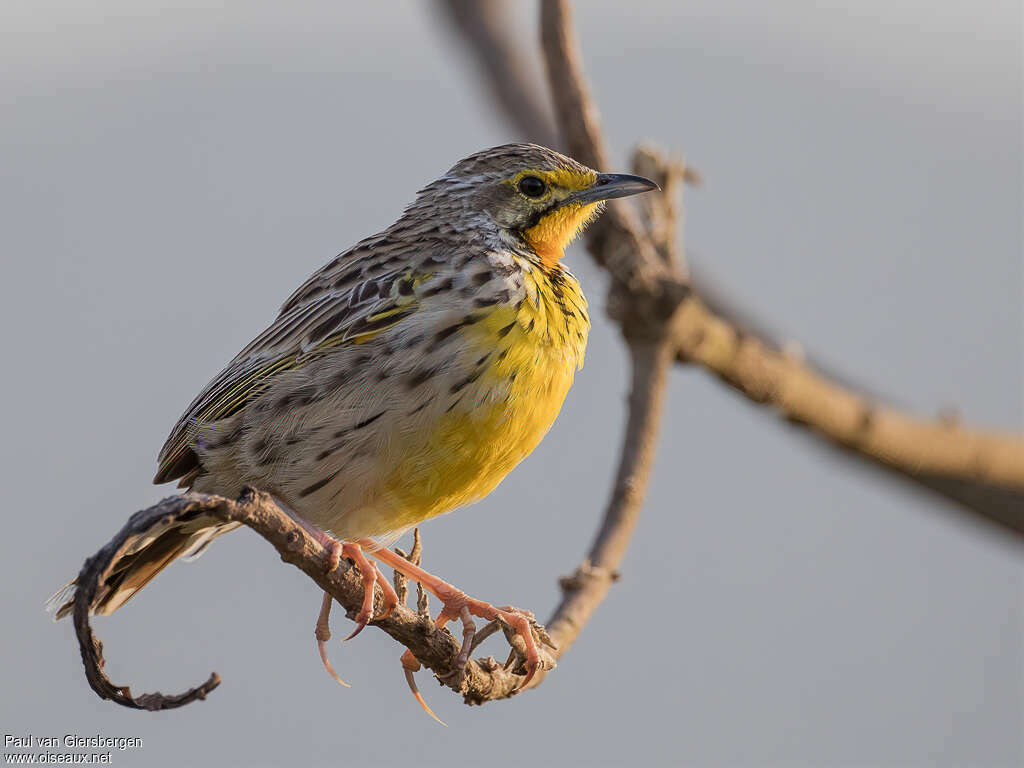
point(990, 496)
point(484, 679)
point(584, 590)
point(984, 471)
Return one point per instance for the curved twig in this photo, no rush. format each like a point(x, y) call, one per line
point(983, 472)
point(434, 648)
point(92, 575)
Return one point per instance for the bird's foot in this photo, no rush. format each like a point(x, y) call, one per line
point(519, 623)
point(520, 627)
point(370, 575)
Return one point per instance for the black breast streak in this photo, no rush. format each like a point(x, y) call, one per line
point(446, 333)
point(318, 484)
point(467, 381)
point(332, 449)
point(421, 376)
point(501, 297)
point(419, 408)
point(367, 422)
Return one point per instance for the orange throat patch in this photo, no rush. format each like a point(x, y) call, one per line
point(549, 236)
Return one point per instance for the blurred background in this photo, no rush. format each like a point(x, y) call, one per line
point(170, 172)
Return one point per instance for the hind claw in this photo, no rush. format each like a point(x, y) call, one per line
point(323, 634)
point(409, 666)
point(370, 575)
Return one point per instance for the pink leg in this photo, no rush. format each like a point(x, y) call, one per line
point(457, 605)
point(370, 575)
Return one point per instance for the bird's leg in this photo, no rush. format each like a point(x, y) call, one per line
point(458, 605)
point(370, 575)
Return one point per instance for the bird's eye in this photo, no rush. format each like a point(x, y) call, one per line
point(531, 186)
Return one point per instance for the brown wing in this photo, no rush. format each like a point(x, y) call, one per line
point(345, 302)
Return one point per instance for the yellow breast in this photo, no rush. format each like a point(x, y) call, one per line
point(535, 351)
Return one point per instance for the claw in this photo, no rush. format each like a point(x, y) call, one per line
point(457, 605)
point(368, 573)
point(359, 626)
point(411, 665)
point(327, 663)
point(323, 634)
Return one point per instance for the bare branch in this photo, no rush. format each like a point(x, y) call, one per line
point(584, 590)
point(984, 470)
point(437, 649)
point(995, 496)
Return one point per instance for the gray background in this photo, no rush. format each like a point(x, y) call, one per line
point(170, 173)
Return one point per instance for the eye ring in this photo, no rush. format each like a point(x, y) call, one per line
point(531, 186)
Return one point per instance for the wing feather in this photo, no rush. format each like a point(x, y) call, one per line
point(314, 320)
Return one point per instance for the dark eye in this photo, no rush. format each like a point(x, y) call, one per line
point(531, 186)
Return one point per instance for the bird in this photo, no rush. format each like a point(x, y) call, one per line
point(402, 380)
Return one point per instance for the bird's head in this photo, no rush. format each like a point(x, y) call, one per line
point(533, 195)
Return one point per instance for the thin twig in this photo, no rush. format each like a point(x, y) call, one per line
point(434, 648)
point(982, 472)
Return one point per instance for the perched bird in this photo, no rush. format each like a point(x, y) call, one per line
point(402, 380)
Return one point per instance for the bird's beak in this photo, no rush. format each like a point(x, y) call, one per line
point(611, 185)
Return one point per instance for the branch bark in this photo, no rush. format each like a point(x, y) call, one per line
point(982, 471)
point(484, 679)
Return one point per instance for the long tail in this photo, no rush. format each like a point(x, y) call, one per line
point(142, 557)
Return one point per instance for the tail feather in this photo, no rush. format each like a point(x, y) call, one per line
point(142, 558)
